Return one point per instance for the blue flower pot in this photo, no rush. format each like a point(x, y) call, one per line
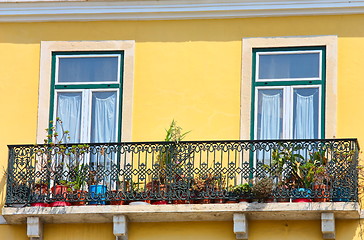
point(302, 195)
point(97, 193)
point(341, 194)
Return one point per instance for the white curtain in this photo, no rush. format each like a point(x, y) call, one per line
point(269, 123)
point(69, 111)
point(270, 117)
point(304, 117)
point(103, 129)
point(104, 117)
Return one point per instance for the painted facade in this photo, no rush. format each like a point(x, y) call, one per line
point(195, 71)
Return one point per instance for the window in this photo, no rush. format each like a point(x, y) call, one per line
point(288, 93)
point(86, 83)
point(86, 94)
point(296, 67)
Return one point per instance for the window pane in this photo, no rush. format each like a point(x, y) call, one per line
point(88, 69)
point(103, 124)
point(69, 111)
point(305, 113)
point(270, 114)
point(281, 66)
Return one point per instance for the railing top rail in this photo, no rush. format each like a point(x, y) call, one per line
point(355, 140)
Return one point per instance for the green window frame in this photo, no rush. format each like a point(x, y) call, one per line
point(301, 82)
point(64, 86)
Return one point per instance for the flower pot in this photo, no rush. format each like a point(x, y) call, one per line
point(117, 198)
point(160, 203)
point(302, 200)
point(60, 204)
point(179, 202)
point(59, 193)
point(341, 194)
point(302, 195)
point(79, 197)
point(97, 194)
point(322, 192)
point(219, 200)
point(39, 204)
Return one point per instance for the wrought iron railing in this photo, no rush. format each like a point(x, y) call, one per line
point(183, 172)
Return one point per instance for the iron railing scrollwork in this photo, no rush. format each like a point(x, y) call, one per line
point(183, 172)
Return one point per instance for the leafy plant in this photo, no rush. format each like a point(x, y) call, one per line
point(263, 188)
point(242, 190)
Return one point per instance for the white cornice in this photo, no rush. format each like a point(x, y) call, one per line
point(171, 10)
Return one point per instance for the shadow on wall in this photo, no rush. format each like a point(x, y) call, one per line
point(2, 188)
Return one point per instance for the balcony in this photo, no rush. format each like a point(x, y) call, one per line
point(196, 172)
point(183, 181)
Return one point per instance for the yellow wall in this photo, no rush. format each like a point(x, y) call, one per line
point(258, 230)
point(184, 70)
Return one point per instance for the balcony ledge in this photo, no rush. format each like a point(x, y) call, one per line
point(183, 212)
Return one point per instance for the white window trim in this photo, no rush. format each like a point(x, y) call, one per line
point(296, 41)
point(47, 47)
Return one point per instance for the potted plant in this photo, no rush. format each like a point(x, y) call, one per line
point(97, 191)
point(262, 189)
point(201, 188)
point(78, 175)
point(39, 193)
point(243, 192)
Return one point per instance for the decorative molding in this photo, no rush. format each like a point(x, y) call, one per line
point(170, 10)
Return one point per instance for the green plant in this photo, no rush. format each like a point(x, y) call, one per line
point(56, 156)
point(262, 188)
point(242, 190)
point(170, 155)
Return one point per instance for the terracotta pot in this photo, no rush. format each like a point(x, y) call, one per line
point(219, 200)
point(243, 200)
point(323, 191)
point(203, 201)
point(283, 200)
point(179, 201)
point(118, 200)
point(41, 189)
point(79, 195)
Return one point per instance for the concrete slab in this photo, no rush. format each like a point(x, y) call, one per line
point(183, 212)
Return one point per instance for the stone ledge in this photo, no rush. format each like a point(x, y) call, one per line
point(183, 212)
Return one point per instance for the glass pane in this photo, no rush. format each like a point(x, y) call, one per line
point(281, 66)
point(69, 111)
point(306, 113)
point(103, 123)
point(88, 69)
point(270, 114)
